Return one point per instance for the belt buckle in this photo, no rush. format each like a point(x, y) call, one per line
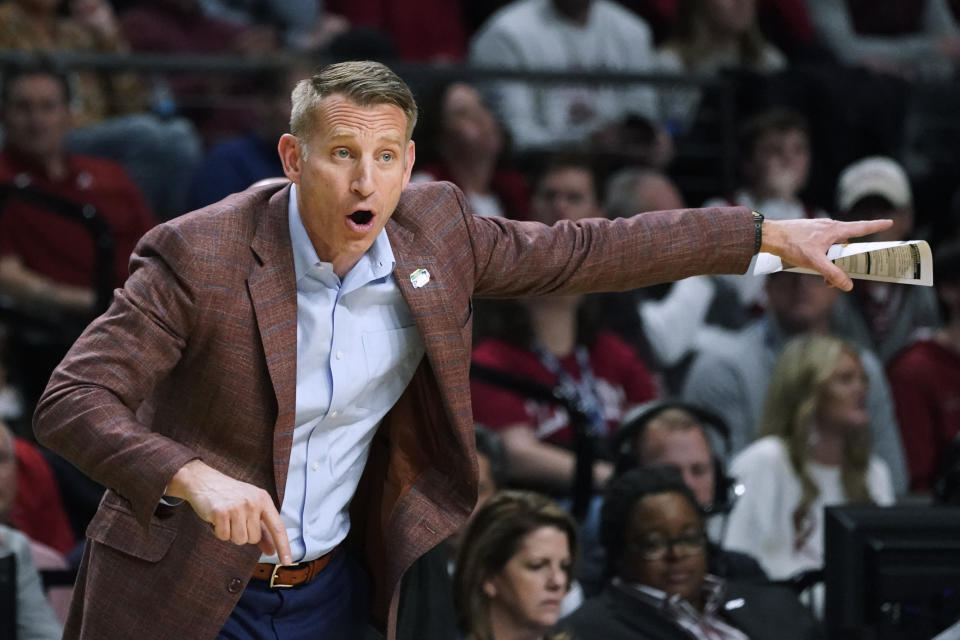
point(273, 576)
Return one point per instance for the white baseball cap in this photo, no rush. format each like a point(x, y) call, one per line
point(874, 176)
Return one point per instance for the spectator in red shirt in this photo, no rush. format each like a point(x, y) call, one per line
point(30, 500)
point(550, 340)
point(925, 380)
point(45, 259)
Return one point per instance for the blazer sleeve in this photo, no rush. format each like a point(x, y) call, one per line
point(528, 258)
point(88, 412)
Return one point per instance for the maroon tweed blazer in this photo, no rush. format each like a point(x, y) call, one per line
point(196, 358)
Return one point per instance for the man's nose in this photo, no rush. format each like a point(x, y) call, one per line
point(362, 183)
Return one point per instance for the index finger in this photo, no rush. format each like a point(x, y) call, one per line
point(271, 519)
point(857, 228)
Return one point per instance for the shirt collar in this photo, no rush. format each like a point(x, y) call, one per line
point(713, 591)
point(377, 262)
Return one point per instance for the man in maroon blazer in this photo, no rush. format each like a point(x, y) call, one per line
point(193, 385)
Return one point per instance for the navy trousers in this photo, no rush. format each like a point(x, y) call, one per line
point(335, 604)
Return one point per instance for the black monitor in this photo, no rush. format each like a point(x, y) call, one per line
point(891, 572)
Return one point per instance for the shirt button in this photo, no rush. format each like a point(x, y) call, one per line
point(316, 465)
point(339, 354)
point(333, 414)
point(306, 528)
point(235, 585)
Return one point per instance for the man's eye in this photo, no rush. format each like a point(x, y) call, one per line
point(342, 153)
point(386, 156)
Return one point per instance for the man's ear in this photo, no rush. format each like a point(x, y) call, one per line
point(489, 588)
point(291, 156)
point(409, 157)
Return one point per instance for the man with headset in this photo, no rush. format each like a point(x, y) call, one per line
point(675, 433)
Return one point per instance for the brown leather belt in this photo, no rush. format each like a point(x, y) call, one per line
point(283, 576)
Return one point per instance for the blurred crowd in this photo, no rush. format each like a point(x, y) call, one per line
point(795, 394)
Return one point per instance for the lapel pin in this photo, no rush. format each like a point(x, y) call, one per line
point(736, 603)
point(419, 278)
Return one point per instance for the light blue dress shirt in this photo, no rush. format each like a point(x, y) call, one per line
point(357, 349)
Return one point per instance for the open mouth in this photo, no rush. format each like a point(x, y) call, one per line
point(361, 218)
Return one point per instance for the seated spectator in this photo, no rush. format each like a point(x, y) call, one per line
point(881, 316)
point(160, 154)
point(33, 504)
point(774, 152)
point(47, 260)
point(731, 374)
point(514, 568)
point(422, 30)
point(552, 341)
point(659, 586)
point(563, 35)
point(26, 25)
point(917, 39)
point(21, 467)
point(426, 608)
point(298, 25)
point(673, 433)
point(34, 617)
point(463, 143)
point(925, 380)
point(814, 451)
point(711, 36)
point(547, 341)
point(633, 190)
point(216, 103)
point(235, 164)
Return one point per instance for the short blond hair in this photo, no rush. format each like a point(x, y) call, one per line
point(364, 82)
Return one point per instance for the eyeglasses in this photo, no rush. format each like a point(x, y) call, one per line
point(655, 547)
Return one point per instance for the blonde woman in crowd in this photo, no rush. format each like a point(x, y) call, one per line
point(814, 451)
point(514, 567)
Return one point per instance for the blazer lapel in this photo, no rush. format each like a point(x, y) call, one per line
point(427, 299)
point(273, 292)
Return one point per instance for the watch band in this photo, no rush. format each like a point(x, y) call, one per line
point(757, 231)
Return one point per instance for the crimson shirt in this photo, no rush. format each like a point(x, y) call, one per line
point(925, 380)
point(622, 381)
point(423, 30)
point(37, 508)
point(62, 249)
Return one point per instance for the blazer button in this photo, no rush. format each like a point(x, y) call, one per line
point(235, 585)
